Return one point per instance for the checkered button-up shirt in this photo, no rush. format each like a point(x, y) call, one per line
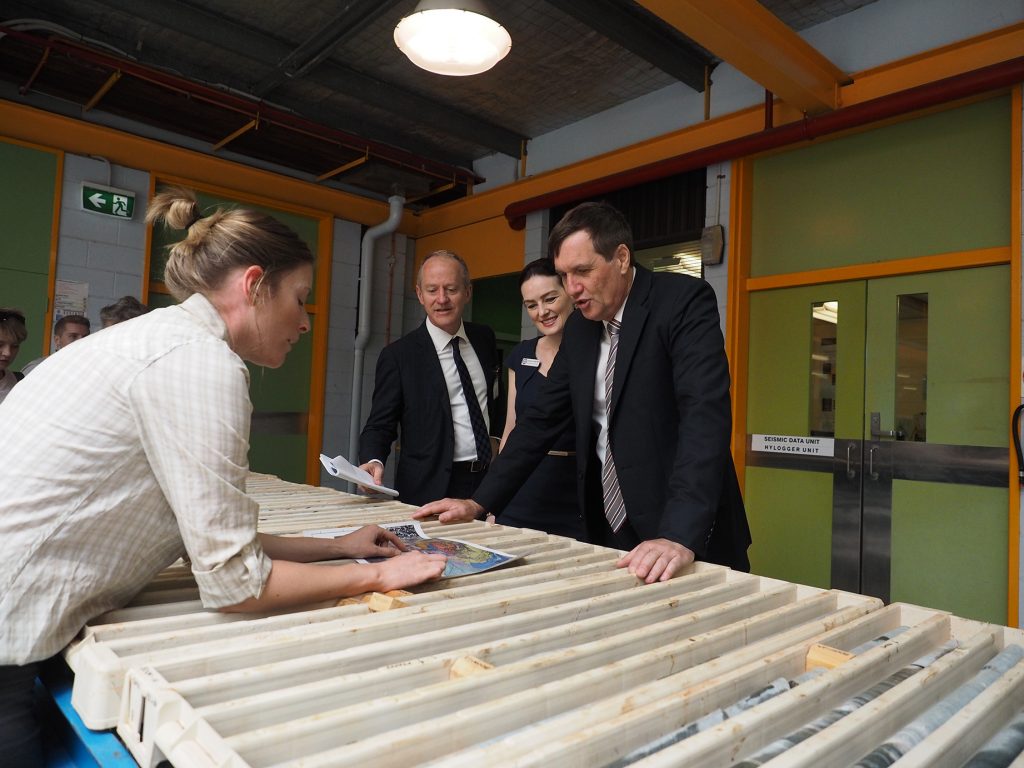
point(121, 453)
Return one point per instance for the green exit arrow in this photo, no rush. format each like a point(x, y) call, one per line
point(108, 201)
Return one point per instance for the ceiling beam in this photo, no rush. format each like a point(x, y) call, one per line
point(629, 30)
point(266, 50)
point(752, 39)
point(352, 17)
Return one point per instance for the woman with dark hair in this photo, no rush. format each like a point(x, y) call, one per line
point(129, 450)
point(12, 334)
point(548, 500)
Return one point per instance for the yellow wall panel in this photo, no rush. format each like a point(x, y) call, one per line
point(490, 247)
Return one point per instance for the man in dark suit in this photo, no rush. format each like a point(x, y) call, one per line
point(653, 464)
point(434, 393)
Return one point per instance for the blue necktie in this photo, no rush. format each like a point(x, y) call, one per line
point(476, 416)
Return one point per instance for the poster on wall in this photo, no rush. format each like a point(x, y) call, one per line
point(69, 298)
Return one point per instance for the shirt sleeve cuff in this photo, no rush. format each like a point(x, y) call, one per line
point(238, 579)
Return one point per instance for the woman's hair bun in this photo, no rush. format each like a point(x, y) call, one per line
point(177, 207)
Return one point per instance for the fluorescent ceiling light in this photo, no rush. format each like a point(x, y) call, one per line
point(452, 37)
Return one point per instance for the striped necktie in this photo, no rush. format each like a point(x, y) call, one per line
point(614, 506)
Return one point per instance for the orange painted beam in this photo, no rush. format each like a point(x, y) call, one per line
point(992, 48)
point(982, 257)
point(83, 138)
point(752, 39)
point(737, 307)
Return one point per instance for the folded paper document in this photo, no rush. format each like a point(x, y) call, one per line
point(340, 467)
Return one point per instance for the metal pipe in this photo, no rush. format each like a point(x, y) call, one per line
point(950, 89)
point(386, 227)
point(248, 106)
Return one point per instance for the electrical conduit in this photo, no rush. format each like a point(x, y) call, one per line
point(396, 203)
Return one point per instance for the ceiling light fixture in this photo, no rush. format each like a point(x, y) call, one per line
point(452, 37)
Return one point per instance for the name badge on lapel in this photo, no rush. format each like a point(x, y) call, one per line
point(529, 362)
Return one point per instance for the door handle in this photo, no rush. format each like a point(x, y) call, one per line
point(877, 431)
point(871, 462)
point(850, 472)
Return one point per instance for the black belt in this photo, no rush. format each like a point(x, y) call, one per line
point(470, 466)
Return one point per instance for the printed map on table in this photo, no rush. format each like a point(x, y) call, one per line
point(463, 558)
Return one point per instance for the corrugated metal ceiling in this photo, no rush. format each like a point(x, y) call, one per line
point(333, 65)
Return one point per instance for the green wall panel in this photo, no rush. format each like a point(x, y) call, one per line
point(28, 292)
point(273, 389)
point(280, 455)
point(968, 337)
point(498, 303)
point(779, 359)
point(935, 184)
point(26, 219)
point(948, 548)
point(790, 514)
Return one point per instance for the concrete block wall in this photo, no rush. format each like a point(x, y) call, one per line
point(389, 279)
point(716, 211)
point(538, 225)
point(340, 342)
point(106, 252)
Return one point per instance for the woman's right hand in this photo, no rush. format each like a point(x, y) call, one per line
point(408, 569)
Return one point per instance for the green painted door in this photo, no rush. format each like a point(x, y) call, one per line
point(877, 454)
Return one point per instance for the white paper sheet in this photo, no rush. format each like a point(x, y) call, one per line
point(340, 467)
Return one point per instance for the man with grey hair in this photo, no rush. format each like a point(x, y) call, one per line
point(432, 391)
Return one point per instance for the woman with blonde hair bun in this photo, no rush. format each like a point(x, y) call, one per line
point(129, 451)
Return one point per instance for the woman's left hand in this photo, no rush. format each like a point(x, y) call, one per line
point(370, 541)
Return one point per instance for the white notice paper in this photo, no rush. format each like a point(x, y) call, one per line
point(340, 467)
point(798, 444)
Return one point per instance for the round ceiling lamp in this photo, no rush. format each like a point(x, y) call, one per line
point(452, 37)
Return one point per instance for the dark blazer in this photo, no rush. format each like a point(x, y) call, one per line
point(410, 402)
point(671, 419)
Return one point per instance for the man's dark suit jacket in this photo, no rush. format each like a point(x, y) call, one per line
point(671, 419)
point(410, 399)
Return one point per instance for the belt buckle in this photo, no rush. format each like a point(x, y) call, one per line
point(477, 466)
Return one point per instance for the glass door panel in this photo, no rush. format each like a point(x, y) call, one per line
point(806, 369)
point(877, 455)
point(938, 378)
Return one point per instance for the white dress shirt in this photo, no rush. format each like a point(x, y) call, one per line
point(465, 442)
point(126, 452)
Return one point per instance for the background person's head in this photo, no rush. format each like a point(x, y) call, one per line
point(444, 289)
point(592, 247)
point(12, 333)
point(544, 297)
point(255, 270)
point(68, 329)
point(123, 309)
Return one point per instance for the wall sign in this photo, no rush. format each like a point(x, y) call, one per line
point(107, 200)
point(803, 446)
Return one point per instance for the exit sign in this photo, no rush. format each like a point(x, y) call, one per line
point(108, 201)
